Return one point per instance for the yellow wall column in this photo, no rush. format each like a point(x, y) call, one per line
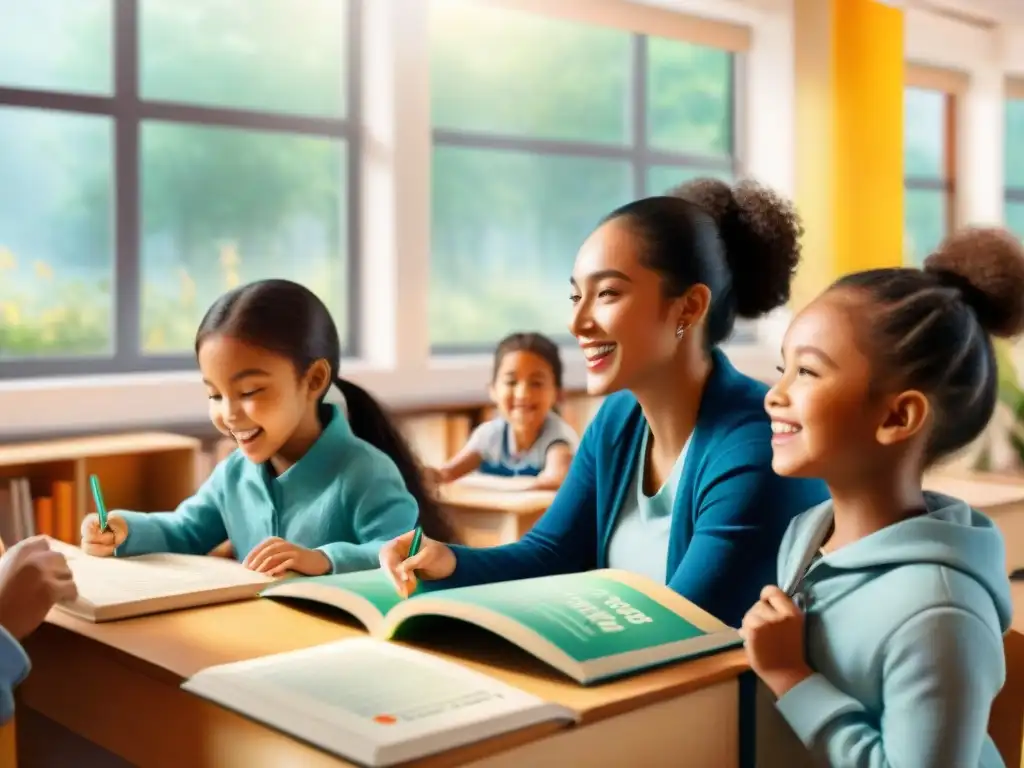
point(849, 138)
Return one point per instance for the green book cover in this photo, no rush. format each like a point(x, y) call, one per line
point(588, 616)
point(591, 626)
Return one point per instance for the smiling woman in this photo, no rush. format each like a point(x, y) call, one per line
point(673, 478)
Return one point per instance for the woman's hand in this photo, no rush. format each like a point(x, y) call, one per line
point(103, 543)
point(433, 561)
point(273, 556)
point(773, 636)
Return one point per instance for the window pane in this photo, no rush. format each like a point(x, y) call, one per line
point(222, 207)
point(924, 133)
point(689, 98)
point(1015, 144)
point(510, 72)
point(56, 45)
point(506, 229)
point(662, 178)
point(275, 55)
point(1015, 217)
point(56, 254)
point(925, 223)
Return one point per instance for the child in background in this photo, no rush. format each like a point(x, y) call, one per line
point(884, 639)
point(528, 438)
point(308, 490)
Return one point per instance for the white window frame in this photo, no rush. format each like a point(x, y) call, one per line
point(394, 141)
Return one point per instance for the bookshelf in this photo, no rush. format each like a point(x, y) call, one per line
point(147, 471)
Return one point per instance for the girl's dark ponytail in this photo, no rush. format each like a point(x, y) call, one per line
point(369, 422)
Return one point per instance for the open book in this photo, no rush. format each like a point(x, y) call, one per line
point(112, 588)
point(371, 702)
point(590, 626)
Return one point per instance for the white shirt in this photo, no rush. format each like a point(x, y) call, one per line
point(639, 541)
point(493, 441)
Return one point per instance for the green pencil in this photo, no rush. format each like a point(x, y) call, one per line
point(415, 546)
point(101, 508)
point(97, 495)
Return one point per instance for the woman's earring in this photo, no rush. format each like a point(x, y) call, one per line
point(680, 331)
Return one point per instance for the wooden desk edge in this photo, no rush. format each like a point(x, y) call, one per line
point(590, 703)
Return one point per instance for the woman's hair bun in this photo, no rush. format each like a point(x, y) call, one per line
point(761, 233)
point(987, 265)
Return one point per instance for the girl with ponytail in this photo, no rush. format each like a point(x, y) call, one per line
point(313, 488)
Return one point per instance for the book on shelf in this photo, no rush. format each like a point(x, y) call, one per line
point(111, 588)
point(590, 626)
point(23, 516)
point(372, 702)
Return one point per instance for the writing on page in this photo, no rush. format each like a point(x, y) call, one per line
point(603, 609)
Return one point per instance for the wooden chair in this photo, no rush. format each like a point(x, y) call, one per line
point(1006, 720)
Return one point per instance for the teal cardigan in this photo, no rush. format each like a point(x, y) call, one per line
point(343, 497)
point(728, 518)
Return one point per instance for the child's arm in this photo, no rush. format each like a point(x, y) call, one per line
point(194, 528)
point(556, 467)
point(465, 461)
point(481, 443)
point(381, 508)
point(941, 670)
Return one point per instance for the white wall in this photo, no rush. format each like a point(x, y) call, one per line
point(396, 210)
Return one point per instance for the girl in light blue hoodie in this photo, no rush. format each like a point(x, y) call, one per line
point(883, 639)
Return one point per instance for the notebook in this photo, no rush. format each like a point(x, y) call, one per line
point(111, 588)
point(590, 626)
point(372, 702)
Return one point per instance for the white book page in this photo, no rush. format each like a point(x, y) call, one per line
point(372, 701)
point(515, 484)
point(114, 580)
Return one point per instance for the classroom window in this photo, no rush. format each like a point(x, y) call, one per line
point(1014, 172)
point(540, 127)
point(928, 172)
point(158, 153)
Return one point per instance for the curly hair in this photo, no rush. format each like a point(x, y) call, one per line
point(761, 232)
point(929, 328)
point(742, 242)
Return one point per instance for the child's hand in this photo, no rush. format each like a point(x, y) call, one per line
point(773, 635)
point(32, 578)
point(103, 543)
point(274, 556)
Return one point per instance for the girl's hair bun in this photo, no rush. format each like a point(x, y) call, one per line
point(987, 265)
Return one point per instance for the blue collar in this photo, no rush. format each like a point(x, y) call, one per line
point(323, 457)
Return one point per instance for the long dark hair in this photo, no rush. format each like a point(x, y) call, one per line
point(290, 320)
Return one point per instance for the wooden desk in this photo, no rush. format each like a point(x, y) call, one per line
point(483, 517)
point(117, 685)
point(1001, 497)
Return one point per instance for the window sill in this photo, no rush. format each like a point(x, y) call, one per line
point(76, 404)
